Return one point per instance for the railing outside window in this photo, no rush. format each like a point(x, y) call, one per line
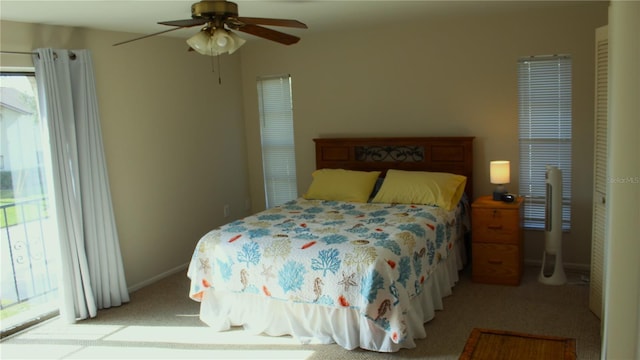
point(28, 254)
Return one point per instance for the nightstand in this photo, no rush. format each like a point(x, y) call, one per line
point(497, 241)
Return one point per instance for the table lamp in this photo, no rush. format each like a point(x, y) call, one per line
point(499, 173)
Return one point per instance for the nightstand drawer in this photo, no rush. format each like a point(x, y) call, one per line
point(496, 263)
point(496, 225)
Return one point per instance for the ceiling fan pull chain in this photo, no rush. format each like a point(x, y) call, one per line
point(219, 71)
point(213, 67)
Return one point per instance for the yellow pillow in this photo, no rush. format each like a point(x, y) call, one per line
point(421, 187)
point(342, 185)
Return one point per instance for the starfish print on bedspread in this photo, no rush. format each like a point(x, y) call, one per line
point(204, 264)
point(267, 272)
point(347, 281)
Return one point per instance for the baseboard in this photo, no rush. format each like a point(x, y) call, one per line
point(158, 277)
point(567, 266)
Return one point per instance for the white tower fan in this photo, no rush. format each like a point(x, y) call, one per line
point(553, 229)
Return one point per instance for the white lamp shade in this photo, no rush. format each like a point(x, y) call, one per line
point(499, 172)
point(219, 42)
point(237, 42)
point(200, 43)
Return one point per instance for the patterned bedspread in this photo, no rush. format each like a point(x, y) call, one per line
point(371, 257)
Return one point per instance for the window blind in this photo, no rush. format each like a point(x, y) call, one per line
point(276, 129)
point(544, 94)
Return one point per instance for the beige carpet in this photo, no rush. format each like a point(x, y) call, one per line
point(161, 322)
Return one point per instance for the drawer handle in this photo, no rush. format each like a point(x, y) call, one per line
point(495, 261)
point(495, 227)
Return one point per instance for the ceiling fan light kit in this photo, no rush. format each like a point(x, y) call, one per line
point(213, 42)
point(219, 17)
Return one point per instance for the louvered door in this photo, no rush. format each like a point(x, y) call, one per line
point(599, 173)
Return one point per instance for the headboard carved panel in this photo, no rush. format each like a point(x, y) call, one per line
point(436, 154)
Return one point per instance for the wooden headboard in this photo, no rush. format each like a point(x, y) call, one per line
point(435, 154)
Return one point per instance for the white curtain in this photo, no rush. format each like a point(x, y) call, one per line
point(92, 271)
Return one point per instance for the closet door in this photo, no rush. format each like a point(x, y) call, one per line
point(599, 172)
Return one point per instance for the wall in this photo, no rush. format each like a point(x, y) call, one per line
point(441, 76)
point(173, 137)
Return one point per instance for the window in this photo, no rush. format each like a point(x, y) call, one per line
point(544, 93)
point(276, 130)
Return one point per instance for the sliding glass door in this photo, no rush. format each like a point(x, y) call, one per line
point(28, 234)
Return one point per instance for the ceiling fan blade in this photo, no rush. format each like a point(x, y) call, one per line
point(184, 23)
point(269, 34)
point(146, 36)
point(272, 22)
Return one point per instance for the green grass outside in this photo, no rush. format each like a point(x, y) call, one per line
point(13, 310)
point(21, 213)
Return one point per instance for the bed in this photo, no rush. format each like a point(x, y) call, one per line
point(363, 259)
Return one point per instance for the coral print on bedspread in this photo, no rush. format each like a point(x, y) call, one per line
point(373, 257)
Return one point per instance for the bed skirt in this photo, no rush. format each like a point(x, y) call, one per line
point(313, 324)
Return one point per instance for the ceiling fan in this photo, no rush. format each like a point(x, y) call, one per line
point(219, 18)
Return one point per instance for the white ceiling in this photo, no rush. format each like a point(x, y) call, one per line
point(141, 16)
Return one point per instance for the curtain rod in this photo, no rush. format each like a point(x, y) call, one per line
point(72, 56)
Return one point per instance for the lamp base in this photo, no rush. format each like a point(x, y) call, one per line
point(498, 192)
